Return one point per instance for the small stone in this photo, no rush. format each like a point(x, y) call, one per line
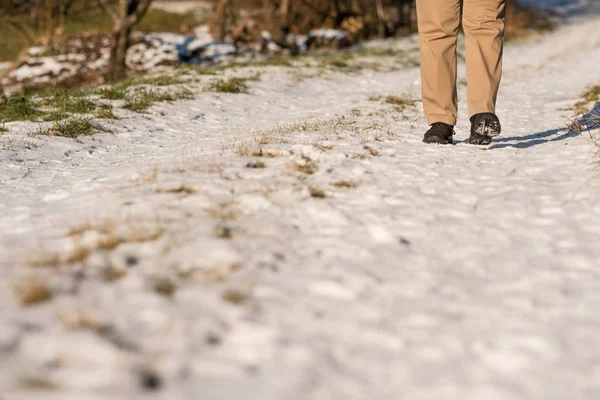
point(150, 381)
point(131, 260)
point(164, 287)
point(223, 231)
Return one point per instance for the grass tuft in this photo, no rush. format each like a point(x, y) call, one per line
point(306, 166)
point(32, 293)
point(164, 287)
point(223, 231)
point(63, 102)
point(400, 103)
point(592, 95)
point(344, 184)
point(160, 80)
point(178, 189)
point(112, 93)
point(76, 126)
point(256, 164)
point(231, 85)
point(105, 111)
point(235, 296)
point(317, 193)
point(141, 100)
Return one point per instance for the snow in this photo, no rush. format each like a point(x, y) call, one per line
point(432, 272)
point(181, 6)
point(331, 34)
point(4, 66)
point(42, 67)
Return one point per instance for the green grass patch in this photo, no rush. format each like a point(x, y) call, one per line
point(90, 19)
point(105, 111)
point(374, 52)
point(76, 126)
point(141, 100)
point(160, 80)
point(339, 64)
point(67, 103)
point(112, 93)
point(231, 85)
point(119, 90)
point(55, 116)
point(19, 109)
point(277, 61)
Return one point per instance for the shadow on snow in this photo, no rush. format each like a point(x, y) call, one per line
point(588, 122)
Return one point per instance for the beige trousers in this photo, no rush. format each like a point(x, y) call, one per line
point(483, 24)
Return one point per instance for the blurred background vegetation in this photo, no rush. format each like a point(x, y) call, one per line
point(26, 23)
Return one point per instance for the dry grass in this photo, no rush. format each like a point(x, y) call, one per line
point(372, 152)
point(80, 320)
point(105, 235)
point(256, 164)
point(38, 384)
point(262, 137)
point(229, 143)
point(399, 103)
point(236, 296)
point(164, 287)
point(344, 184)
point(224, 211)
point(178, 189)
point(113, 273)
point(223, 231)
point(266, 153)
point(317, 193)
point(306, 166)
point(586, 119)
point(243, 149)
point(590, 96)
point(32, 292)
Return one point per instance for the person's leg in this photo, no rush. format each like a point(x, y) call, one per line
point(438, 22)
point(483, 23)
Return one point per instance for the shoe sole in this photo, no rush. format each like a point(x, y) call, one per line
point(437, 141)
point(485, 131)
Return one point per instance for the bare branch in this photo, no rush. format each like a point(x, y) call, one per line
point(108, 10)
point(140, 11)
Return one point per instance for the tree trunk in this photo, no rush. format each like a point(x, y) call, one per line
point(284, 13)
point(117, 68)
point(125, 14)
point(380, 17)
point(219, 21)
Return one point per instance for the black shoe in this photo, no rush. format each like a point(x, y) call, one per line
point(484, 127)
point(439, 133)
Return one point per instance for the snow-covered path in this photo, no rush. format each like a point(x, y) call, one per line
point(359, 263)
